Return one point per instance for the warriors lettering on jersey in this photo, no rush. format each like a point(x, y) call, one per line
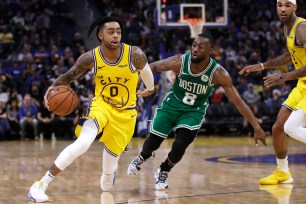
point(193, 87)
point(112, 79)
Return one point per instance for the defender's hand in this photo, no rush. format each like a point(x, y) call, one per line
point(251, 68)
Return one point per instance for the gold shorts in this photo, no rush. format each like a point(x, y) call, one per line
point(117, 126)
point(297, 98)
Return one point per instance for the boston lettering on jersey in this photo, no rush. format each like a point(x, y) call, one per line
point(193, 87)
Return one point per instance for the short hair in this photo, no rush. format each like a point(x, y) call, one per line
point(207, 35)
point(99, 23)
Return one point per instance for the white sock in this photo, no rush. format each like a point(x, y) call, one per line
point(282, 164)
point(47, 178)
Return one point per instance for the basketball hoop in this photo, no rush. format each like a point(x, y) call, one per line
point(195, 25)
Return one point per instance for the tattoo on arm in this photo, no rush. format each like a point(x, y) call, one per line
point(84, 63)
point(282, 60)
point(298, 73)
point(139, 58)
point(301, 34)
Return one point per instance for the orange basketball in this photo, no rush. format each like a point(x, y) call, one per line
point(62, 100)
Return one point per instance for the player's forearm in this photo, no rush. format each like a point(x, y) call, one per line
point(295, 74)
point(282, 60)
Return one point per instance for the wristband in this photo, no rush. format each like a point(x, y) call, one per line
point(261, 64)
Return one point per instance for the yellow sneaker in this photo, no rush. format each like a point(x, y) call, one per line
point(278, 177)
point(278, 191)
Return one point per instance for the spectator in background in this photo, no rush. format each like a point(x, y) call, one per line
point(275, 99)
point(12, 116)
point(46, 123)
point(27, 115)
point(4, 123)
point(251, 96)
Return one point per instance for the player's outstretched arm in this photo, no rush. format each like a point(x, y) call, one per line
point(171, 63)
point(276, 79)
point(222, 77)
point(83, 64)
point(282, 60)
point(140, 62)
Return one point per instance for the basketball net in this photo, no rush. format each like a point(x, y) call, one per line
point(195, 25)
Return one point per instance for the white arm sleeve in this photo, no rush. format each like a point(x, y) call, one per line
point(147, 77)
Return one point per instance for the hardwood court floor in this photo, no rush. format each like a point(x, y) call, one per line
point(214, 170)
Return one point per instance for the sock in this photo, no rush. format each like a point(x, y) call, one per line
point(283, 164)
point(145, 156)
point(46, 179)
point(166, 165)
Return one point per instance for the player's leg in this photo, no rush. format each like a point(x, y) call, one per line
point(280, 144)
point(162, 124)
point(183, 138)
point(117, 134)
point(65, 158)
point(151, 144)
point(295, 125)
point(109, 166)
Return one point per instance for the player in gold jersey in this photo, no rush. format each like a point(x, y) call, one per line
point(112, 110)
point(295, 33)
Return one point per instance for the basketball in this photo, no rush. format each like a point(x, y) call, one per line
point(62, 100)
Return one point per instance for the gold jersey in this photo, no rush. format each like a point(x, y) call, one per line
point(298, 54)
point(116, 82)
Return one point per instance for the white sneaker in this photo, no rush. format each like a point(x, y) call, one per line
point(107, 181)
point(137, 163)
point(161, 179)
point(37, 192)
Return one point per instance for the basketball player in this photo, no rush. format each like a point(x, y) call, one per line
point(295, 33)
point(115, 66)
point(184, 106)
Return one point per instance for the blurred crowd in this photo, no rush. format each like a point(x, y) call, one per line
point(39, 41)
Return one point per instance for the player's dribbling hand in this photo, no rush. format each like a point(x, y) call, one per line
point(46, 102)
point(144, 92)
point(259, 134)
point(251, 68)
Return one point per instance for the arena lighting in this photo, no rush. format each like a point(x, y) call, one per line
point(164, 1)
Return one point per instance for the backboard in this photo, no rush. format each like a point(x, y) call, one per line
point(175, 13)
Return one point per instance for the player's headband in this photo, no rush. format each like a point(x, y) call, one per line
point(292, 1)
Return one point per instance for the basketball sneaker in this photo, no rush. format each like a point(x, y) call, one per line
point(107, 181)
point(277, 177)
point(37, 192)
point(137, 163)
point(161, 179)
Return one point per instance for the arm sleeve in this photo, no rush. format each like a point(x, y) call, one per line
point(147, 77)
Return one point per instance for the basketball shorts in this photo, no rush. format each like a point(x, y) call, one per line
point(117, 126)
point(297, 98)
point(173, 115)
